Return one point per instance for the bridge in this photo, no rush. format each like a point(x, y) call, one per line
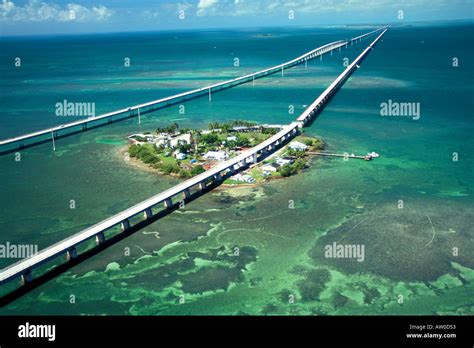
point(165, 200)
point(319, 103)
point(20, 142)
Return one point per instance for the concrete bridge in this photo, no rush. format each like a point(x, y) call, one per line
point(307, 116)
point(50, 134)
point(167, 199)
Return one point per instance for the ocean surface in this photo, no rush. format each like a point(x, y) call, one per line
point(244, 251)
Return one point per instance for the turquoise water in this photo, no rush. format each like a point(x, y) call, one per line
point(190, 253)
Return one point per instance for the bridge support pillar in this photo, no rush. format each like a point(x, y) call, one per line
point(71, 254)
point(168, 203)
point(52, 139)
point(147, 213)
point(26, 277)
point(186, 194)
point(99, 238)
point(202, 185)
point(218, 177)
point(254, 158)
point(125, 225)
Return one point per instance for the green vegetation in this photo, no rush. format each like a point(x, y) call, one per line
point(292, 169)
point(223, 136)
point(218, 140)
point(171, 129)
point(227, 126)
point(313, 143)
point(197, 170)
point(146, 153)
point(295, 153)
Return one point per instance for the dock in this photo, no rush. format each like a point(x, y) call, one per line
point(367, 157)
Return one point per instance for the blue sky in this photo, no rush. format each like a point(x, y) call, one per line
point(24, 17)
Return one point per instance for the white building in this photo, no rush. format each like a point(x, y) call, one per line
point(146, 137)
point(273, 167)
point(232, 138)
point(162, 140)
point(180, 156)
point(182, 138)
point(244, 178)
point(296, 145)
point(216, 155)
point(283, 161)
point(248, 179)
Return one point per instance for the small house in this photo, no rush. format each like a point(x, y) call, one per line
point(272, 167)
point(296, 145)
point(216, 155)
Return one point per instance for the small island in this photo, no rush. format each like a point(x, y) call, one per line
point(184, 152)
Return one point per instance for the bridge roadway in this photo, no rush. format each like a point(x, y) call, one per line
point(319, 103)
point(68, 246)
point(136, 110)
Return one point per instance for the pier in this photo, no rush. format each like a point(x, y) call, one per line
point(367, 157)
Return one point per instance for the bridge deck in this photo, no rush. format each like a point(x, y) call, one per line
point(306, 115)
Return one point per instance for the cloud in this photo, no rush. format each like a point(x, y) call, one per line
point(206, 6)
point(277, 7)
point(36, 11)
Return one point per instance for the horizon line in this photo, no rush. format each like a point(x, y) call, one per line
point(392, 24)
